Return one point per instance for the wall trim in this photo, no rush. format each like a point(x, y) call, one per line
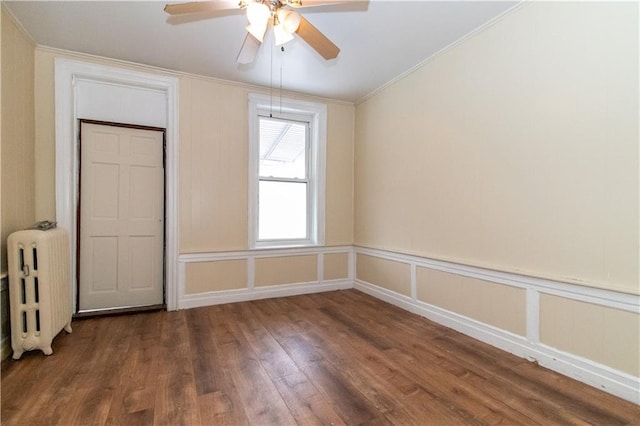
point(252, 292)
point(257, 293)
point(598, 375)
point(265, 252)
point(598, 296)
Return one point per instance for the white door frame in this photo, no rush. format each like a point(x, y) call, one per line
point(138, 88)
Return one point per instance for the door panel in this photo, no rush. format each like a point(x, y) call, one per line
point(104, 262)
point(121, 217)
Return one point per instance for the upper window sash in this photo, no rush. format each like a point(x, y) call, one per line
point(284, 149)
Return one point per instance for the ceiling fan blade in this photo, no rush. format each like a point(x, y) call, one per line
point(200, 6)
point(249, 49)
point(317, 40)
point(311, 3)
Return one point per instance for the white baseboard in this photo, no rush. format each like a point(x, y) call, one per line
point(244, 295)
point(594, 374)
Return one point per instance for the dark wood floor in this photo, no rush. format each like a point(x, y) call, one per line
point(333, 358)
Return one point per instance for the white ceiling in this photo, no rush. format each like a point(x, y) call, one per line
point(379, 40)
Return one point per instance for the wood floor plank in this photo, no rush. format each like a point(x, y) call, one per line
point(176, 396)
point(541, 401)
point(92, 403)
point(202, 351)
point(260, 398)
point(448, 386)
point(271, 355)
point(133, 397)
point(345, 399)
point(336, 358)
point(378, 374)
point(344, 354)
point(35, 371)
point(460, 393)
point(307, 405)
point(224, 405)
point(219, 409)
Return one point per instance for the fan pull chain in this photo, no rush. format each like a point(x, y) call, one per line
point(271, 84)
point(281, 62)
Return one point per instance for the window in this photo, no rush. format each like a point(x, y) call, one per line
point(286, 172)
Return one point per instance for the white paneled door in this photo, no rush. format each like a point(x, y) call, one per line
point(121, 217)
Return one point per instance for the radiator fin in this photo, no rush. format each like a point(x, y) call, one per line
point(39, 288)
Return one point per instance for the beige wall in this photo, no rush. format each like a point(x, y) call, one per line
point(286, 270)
point(213, 166)
point(336, 266)
point(45, 135)
point(394, 276)
point(16, 148)
point(215, 276)
point(605, 335)
point(498, 305)
point(515, 150)
point(213, 159)
point(17, 132)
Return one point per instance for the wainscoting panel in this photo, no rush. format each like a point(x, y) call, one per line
point(336, 266)
point(585, 333)
point(386, 273)
point(229, 274)
point(600, 333)
point(499, 305)
point(259, 274)
point(270, 271)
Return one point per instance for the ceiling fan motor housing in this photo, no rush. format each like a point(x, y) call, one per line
point(273, 5)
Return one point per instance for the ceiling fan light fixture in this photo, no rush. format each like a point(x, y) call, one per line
point(289, 20)
point(281, 35)
point(257, 31)
point(258, 14)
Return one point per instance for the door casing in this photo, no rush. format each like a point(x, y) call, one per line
point(134, 89)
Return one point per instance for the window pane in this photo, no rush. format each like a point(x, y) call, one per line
point(282, 210)
point(283, 149)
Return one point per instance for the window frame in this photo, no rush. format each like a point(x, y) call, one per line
point(315, 114)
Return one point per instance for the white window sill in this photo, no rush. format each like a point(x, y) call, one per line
point(275, 246)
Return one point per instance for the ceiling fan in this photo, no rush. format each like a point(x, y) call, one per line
point(280, 14)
